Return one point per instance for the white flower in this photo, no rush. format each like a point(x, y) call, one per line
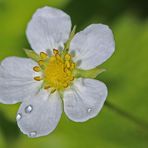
point(42, 85)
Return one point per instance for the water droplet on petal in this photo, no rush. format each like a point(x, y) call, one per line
point(32, 134)
point(19, 116)
point(29, 109)
point(89, 110)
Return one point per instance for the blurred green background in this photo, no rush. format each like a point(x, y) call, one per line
point(126, 76)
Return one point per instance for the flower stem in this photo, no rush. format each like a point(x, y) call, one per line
point(143, 124)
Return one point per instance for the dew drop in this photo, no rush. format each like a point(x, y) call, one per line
point(29, 109)
point(19, 116)
point(33, 134)
point(89, 110)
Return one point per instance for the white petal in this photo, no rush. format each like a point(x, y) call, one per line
point(48, 29)
point(85, 99)
point(16, 80)
point(92, 46)
point(19, 68)
point(43, 114)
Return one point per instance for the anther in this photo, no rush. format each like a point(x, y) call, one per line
point(46, 87)
point(58, 71)
point(41, 62)
point(58, 57)
point(37, 78)
point(36, 68)
point(43, 55)
point(52, 90)
point(73, 65)
point(67, 63)
point(67, 57)
point(52, 58)
point(65, 85)
point(68, 72)
point(71, 78)
point(55, 51)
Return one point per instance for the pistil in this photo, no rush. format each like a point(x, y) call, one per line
point(57, 70)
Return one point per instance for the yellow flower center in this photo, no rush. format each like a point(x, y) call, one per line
point(57, 71)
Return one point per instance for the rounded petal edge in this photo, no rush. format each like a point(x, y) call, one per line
point(92, 46)
point(85, 99)
point(49, 28)
point(40, 114)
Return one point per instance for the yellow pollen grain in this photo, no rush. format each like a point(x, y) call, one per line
point(71, 78)
point(52, 58)
point(67, 57)
point(52, 90)
point(46, 86)
point(67, 64)
point(37, 78)
point(68, 72)
point(58, 57)
point(41, 62)
point(65, 85)
point(73, 65)
point(55, 51)
point(43, 55)
point(36, 68)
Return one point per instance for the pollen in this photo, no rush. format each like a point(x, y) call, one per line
point(67, 57)
point(36, 68)
point(43, 55)
point(41, 62)
point(55, 51)
point(57, 70)
point(37, 78)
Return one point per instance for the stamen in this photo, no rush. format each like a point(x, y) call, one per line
point(41, 62)
point(68, 72)
point(57, 70)
point(52, 90)
point(36, 68)
point(67, 57)
point(73, 65)
point(58, 57)
point(52, 58)
point(55, 51)
point(67, 63)
point(65, 85)
point(37, 78)
point(43, 55)
point(46, 87)
point(72, 78)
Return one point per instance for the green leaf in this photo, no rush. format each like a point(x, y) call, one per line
point(93, 73)
point(2, 140)
point(31, 54)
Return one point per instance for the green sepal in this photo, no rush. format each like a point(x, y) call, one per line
point(31, 54)
point(92, 73)
point(67, 44)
